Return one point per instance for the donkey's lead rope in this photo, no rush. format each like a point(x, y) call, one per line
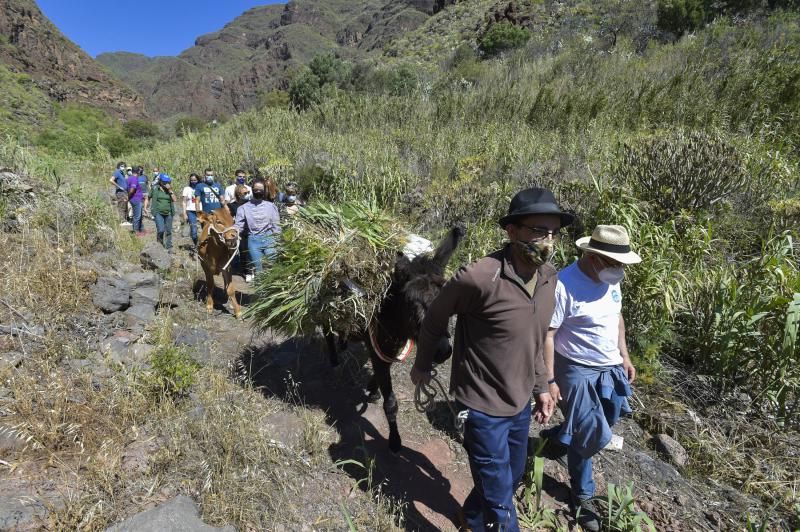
point(425, 395)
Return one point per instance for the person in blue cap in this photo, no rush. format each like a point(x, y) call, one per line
point(162, 201)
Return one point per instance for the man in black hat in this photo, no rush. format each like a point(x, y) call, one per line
point(504, 303)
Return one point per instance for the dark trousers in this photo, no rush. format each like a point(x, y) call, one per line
point(192, 218)
point(498, 451)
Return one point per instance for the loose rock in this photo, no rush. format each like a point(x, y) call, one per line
point(671, 449)
point(111, 294)
point(143, 312)
point(155, 257)
point(177, 515)
point(21, 513)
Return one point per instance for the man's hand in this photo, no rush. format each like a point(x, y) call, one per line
point(630, 371)
point(555, 392)
point(420, 376)
point(543, 410)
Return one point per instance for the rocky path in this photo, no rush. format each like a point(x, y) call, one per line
point(425, 483)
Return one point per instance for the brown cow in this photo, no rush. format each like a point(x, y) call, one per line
point(219, 242)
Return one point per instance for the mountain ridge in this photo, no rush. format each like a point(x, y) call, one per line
point(34, 46)
point(225, 71)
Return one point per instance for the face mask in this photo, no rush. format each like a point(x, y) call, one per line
point(240, 180)
point(611, 275)
point(535, 253)
point(258, 194)
point(192, 184)
point(209, 179)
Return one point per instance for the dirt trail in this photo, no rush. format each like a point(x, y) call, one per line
point(430, 477)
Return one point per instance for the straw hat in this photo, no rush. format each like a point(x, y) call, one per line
point(611, 241)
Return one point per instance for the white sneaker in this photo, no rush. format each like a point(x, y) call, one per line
point(249, 278)
point(126, 224)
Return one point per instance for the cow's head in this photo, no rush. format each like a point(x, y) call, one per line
point(219, 223)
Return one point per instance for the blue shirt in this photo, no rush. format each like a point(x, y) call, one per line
point(208, 200)
point(121, 180)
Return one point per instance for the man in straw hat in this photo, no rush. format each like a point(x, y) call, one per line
point(504, 303)
point(587, 360)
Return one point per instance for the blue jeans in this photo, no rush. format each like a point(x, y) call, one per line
point(163, 229)
point(260, 247)
point(192, 217)
point(138, 224)
point(498, 451)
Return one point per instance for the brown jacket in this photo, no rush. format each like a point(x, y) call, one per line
point(499, 338)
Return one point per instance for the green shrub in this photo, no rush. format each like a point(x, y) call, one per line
point(274, 99)
point(681, 16)
point(502, 37)
point(191, 124)
point(304, 91)
point(173, 372)
point(681, 171)
point(140, 129)
point(330, 69)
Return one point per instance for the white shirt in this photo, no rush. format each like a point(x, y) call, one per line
point(587, 319)
point(230, 192)
point(188, 199)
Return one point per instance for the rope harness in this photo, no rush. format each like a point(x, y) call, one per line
point(424, 401)
point(221, 236)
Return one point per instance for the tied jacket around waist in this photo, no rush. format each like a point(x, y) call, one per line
point(499, 336)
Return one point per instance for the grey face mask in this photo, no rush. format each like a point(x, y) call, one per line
point(613, 275)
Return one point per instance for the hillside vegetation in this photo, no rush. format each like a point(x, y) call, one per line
point(689, 142)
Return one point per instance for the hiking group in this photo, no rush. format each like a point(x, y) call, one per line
point(255, 204)
point(523, 330)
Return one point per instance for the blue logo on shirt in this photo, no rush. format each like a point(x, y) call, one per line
point(615, 296)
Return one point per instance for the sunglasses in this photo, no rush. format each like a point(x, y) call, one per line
point(540, 233)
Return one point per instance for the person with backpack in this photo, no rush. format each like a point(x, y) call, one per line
point(135, 198)
point(163, 209)
point(209, 194)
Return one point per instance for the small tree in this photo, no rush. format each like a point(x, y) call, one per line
point(503, 36)
point(304, 89)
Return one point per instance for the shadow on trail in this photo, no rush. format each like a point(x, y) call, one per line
point(297, 371)
point(199, 290)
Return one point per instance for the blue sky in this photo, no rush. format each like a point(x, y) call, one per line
point(161, 27)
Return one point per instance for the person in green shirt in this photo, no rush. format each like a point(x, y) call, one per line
point(162, 205)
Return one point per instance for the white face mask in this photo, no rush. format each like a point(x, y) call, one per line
point(611, 275)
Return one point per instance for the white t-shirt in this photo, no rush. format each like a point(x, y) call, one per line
point(188, 198)
point(230, 192)
point(587, 319)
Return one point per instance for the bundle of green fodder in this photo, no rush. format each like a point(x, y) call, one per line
point(332, 269)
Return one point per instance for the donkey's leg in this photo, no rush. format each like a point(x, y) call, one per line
point(333, 354)
point(373, 394)
point(384, 377)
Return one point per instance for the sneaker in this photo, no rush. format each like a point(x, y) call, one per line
point(126, 224)
point(249, 278)
point(586, 513)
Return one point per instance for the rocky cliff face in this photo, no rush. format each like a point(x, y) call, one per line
point(226, 70)
point(31, 44)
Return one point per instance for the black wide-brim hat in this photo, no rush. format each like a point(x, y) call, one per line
point(534, 201)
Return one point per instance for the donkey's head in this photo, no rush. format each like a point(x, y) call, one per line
point(416, 283)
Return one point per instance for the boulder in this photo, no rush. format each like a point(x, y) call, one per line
point(671, 449)
point(155, 257)
point(176, 515)
point(111, 294)
point(143, 280)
